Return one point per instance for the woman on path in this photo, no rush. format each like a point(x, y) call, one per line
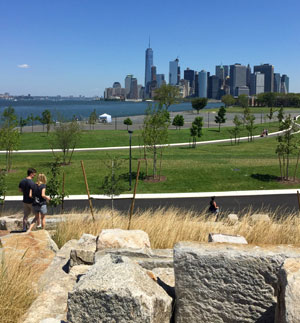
point(213, 208)
point(38, 193)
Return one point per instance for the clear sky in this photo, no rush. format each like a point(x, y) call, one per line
point(73, 47)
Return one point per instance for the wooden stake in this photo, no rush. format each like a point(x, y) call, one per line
point(63, 193)
point(298, 195)
point(134, 192)
point(87, 190)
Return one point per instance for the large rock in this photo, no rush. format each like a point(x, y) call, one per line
point(226, 238)
point(54, 285)
point(260, 217)
point(117, 238)
point(288, 306)
point(84, 253)
point(227, 283)
point(11, 223)
point(115, 289)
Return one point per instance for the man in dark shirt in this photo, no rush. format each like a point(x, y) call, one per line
point(25, 185)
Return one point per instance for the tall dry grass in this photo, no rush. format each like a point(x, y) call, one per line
point(165, 227)
point(16, 290)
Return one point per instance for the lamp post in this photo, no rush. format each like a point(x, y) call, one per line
point(130, 175)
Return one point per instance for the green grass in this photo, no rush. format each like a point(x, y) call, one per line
point(266, 110)
point(218, 167)
point(109, 138)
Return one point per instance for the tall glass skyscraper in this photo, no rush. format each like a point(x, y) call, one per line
point(202, 81)
point(148, 65)
point(173, 72)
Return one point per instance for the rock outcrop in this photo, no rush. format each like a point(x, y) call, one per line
point(227, 283)
point(116, 289)
point(288, 306)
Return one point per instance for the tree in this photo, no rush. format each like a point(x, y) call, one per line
point(113, 183)
point(246, 114)
point(93, 119)
point(66, 137)
point(178, 121)
point(9, 136)
point(228, 100)
point(46, 119)
point(280, 115)
point(22, 123)
point(31, 118)
point(250, 126)
point(236, 130)
point(287, 144)
point(270, 115)
point(199, 103)
point(243, 100)
point(196, 129)
point(166, 95)
point(155, 131)
point(127, 122)
point(220, 117)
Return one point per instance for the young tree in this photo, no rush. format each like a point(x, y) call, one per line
point(243, 100)
point(250, 126)
point(66, 137)
point(127, 122)
point(166, 95)
point(46, 119)
point(246, 114)
point(199, 103)
point(22, 123)
point(9, 117)
point(270, 115)
point(113, 183)
point(178, 121)
point(228, 100)
point(196, 129)
point(93, 119)
point(235, 132)
point(193, 132)
point(155, 131)
point(287, 144)
point(280, 115)
point(220, 117)
point(31, 118)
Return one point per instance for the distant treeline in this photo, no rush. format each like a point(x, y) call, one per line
point(272, 99)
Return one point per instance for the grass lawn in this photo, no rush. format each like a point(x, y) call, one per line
point(219, 167)
point(109, 138)
point(236, 109)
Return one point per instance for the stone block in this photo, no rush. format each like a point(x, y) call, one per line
point(227, 283)
point(288, 305)
point(117, 238)
point(87, 241)
point(260, 217)
point(81, 257)
point(115, 289)
point(166, 275)
point(11, 224)
point(232, 218)
point(226, 238)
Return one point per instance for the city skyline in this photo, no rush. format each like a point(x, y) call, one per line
point(71, 49)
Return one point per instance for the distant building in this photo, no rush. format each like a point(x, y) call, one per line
point(268, 71)
point(238, 79)
point(189, 75)
point(285, 84)
point(160, 79)
point(220, 73)
point(184, 88)
point(277, 83)
point(128, 84)
point(248, 76)
point(257, 83)
point(202, 84)
point(173, 72)
point(116, 85)
point(214, 87)
point(226, 71)
point(148, 65)
point(133, 94)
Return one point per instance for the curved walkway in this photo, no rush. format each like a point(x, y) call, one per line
point(208, 142)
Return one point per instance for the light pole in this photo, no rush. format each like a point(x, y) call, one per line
point(130, 175)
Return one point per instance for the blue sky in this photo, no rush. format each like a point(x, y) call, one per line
point(64, 47)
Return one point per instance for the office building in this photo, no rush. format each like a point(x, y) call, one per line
point(202, 81)
point(220, 73)
point(133, 94)
point(257, 83)
point(226, 71)
point(148, 65)
point(160, 79)
point(238, 79)
point(248, 76)
point(277, 83)
point(189, 75)
point(128, 84)
point(285, 83)
point(196, 84)
point(153, 73)
point(184, 88)
point(173, 72)
point(214, 87)
point(268, 71)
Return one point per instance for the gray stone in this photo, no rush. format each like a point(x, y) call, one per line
point(87, 241)
point(227, 283)
point(49, 320)
point(117, 238)
point(115, 289)
point(288, 305)
point(260, 217)
point(11, 223)
point(226, 238)
point(81, 257)
point(166, 275)
point(79, 271)
point(232, 218)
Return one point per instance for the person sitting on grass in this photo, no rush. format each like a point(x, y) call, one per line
point(38, 193)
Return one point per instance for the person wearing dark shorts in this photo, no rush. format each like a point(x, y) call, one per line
point(25, 186)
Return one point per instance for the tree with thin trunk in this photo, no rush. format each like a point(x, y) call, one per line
point(235, 132)
point(228, 100)
point(280, 115)
point(31, 118)
point(196, 129)
point(178, 121)
point(220, 117)
point(22, 124)
point(127, 122)
point(46, 119)
point(167, 95)
point(199, 104)
point(93, 119)
point(250, 126)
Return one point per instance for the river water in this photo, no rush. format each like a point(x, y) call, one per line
point(81, 109)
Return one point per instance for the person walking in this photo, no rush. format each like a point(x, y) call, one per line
point(213, 208)
point(25, 186)
point(38, 193)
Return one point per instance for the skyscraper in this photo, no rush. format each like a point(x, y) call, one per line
point(148, 65)
point(257, 83)
point(268, 70)
point(213, 87)
point(248, 76)
point(277, 82)
point(160, 79)
point(173, 72)
point(220, 73)
point(133, 94)
point(189, 75)
point(202, 81)
point(128, 84)
point(285, 83)
point(238, 76)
